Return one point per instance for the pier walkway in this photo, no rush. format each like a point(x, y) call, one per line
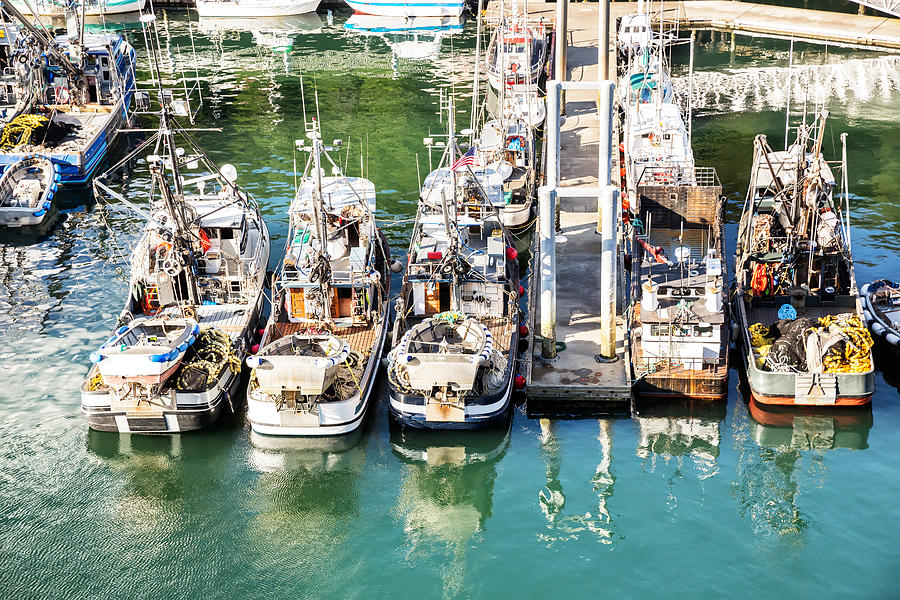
point(576, 383)
point(816, 26)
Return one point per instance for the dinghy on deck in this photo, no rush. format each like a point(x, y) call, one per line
point(147, 351)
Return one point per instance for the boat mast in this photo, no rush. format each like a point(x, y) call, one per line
point(319, 216)
point(452, 234)
point(475, 91)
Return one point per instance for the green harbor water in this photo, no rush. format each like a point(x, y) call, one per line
point(675, 502)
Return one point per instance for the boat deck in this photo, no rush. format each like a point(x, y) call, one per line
point(361, 338)
point(769, 314)
point(233, 319)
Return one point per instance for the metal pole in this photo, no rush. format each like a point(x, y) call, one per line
point(690, 98)
point(475, 92)
point(605, 149)
point(790, 82)
point(603, 41)
point(547, 225)
point(608, 273)
point(553, 100)
point(562, 44)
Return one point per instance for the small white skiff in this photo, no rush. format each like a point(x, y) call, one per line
point(27, 188)
point(147, 351)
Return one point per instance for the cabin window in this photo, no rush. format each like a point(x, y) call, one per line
point(659, 330)
point(703, 330)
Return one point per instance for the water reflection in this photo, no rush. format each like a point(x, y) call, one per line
point(447, 492)
point(275, 33)
point(780, 447)
point(811, 428)
point(673, 431)
point(412, 39)
point(562, 524)
point(448, 482)
point(305, 501)
point(157, 486)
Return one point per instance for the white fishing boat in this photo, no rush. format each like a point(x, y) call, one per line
point(27, 190)
point(517, 52)
point(389, 8)
point(321, 350)
point(92, 8)
point(255, 8)
point(201, 259)
point(67, 98)
point(506, 147)
point(679, 330)
point(456, 332)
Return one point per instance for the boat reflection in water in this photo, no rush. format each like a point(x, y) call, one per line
point(791, 447)
point(157, 479)
point(306, 499)
point(447, 492)
point(275, 33)
point(564, 525)
point(414, 38)
point(678, 430)
point(810, 428)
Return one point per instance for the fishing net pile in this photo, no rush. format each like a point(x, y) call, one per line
point(831, 344)
point(211, 353)
point(34, 130)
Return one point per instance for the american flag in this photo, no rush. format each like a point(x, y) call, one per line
point(467, 159)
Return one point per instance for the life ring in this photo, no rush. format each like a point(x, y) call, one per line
point(189, 312)
point(62, 95)
point(514, 67)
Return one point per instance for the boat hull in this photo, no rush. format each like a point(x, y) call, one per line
point(433, 8)
point(485, 412)
point(778, 389)
point(110, 7)
point(334, 418)
point(26, 223)
point(266, 8)
point(203, 410)
point(408, 410)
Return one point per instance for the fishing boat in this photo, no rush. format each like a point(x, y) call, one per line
point(255, 8)
point(506, 149)
point(388, 8)
point(27, 189)
point(321, 350)
point(80, 90)
point(517, 52)
point(680, 330)
point(881, 309)
point(197, 275)
point(92, 8)
point(800, 319)
point(456, 330)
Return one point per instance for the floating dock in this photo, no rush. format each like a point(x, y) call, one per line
point(765, 20)
point(576, 383)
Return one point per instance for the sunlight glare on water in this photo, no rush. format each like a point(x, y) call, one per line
point(703, 503)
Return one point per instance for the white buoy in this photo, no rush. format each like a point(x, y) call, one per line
point(892, 339)
point(877, 328)
point(649, 301)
